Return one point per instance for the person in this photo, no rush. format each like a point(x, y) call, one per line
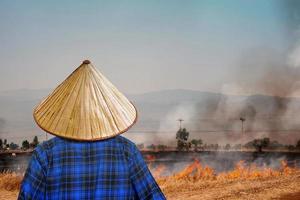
point(87, 158)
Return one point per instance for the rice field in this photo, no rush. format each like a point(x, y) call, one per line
point(201, 182)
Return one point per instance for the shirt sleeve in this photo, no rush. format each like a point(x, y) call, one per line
point(34, 185)
point(143, 182)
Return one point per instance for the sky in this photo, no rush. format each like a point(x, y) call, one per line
point(141, 46)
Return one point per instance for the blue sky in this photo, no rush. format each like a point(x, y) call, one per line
point(143, 46)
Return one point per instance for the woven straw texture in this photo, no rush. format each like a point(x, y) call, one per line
point(85, 106)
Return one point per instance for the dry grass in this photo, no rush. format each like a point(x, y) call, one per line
point(259, 188)
point(196, 182)
point(10, 181)
point(243, 182)
point(9, 185)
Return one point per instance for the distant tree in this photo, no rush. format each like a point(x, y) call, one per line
point(237, 146)
point(13, 146)
point(188, 146)
point(227, 147)
point(161, 147)
point(196, 143)
point(259, 144)
point(25, 145)
point(275, 144)
point(182, 136)
point(200, 143)
point(5, 144)
point(152, 147)
point(180, 145)
point(213, 147)
point(290, 147)
point(183, 145)
point(216, 147)
point(1, 144)
point(35, 142)
point(298, 145)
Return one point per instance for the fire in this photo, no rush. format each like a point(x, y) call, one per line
point(196, 172)
point(241, 171)
point(150, 158)
point(159, 170)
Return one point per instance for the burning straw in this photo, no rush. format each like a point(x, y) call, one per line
point(196, 172)
point(196, 179)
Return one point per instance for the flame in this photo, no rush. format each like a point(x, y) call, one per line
point(159, 170)
point(195, 172)
point(150, 158)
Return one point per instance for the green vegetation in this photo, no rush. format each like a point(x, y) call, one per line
point(13, 146)
point(25, 145)
point(35, 142)
point(182, 137)
point(183, 144)
point(5, 146)
point(197, 144)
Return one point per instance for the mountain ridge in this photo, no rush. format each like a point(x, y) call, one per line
point(159, 110)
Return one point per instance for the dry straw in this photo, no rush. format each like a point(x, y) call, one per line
point(85, 106)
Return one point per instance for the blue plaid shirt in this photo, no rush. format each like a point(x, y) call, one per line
point(108, 169)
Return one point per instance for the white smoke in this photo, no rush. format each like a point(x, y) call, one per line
point(170, 124)
point(293, 59)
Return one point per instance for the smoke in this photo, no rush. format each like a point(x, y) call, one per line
point(294, 57)
point(2, 124)
point(259, 71)
point(184, 110)
point(262, 71)
point(269, 111)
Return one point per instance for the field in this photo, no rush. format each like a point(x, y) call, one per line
point(198, 182)
point(281, 187)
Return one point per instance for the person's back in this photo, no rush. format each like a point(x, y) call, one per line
point(106, 169)
point(88, 159)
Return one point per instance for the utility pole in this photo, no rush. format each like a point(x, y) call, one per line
point(180, 122)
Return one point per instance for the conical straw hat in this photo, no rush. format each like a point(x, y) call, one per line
point(85, 106)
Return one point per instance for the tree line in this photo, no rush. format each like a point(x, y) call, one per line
point(5, 145)
point(184, 144)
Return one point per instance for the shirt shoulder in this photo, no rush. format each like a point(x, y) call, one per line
point(124, 141)
point(48, 145)
point(129, 147)
point(128, 144)
point(57, 144)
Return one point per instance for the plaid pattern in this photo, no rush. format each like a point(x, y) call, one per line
point(107, 169)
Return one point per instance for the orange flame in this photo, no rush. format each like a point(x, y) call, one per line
point(195, 172)
point(159, 170)
point(150, 158)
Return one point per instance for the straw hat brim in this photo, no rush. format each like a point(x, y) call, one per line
point(82, 139)
point(86, 106)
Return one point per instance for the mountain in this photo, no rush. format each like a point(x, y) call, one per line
point(207, 115)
